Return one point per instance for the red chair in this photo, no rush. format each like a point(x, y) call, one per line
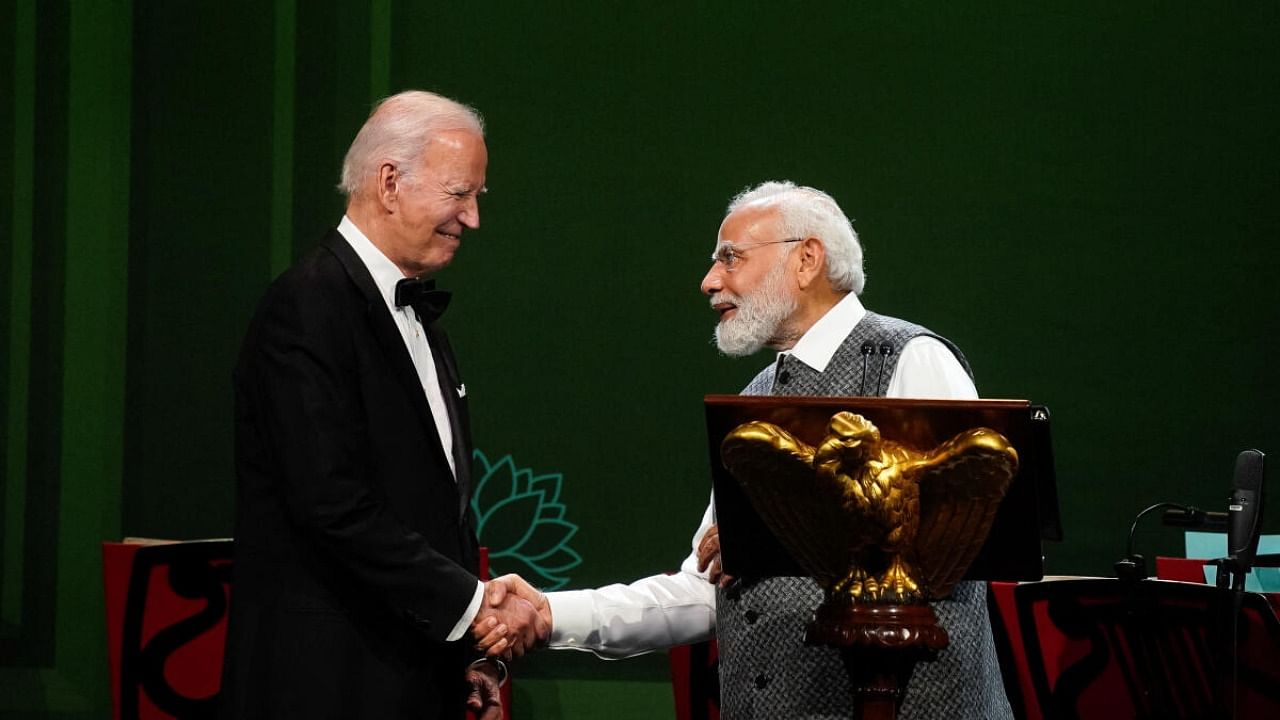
point(166, 626)
point(166, 606)
point(1192, 570)
point(695, 680)
point(1010, 648)
point(1150, 649)
point(1181, 569)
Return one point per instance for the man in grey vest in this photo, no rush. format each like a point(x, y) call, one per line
point(786, 274)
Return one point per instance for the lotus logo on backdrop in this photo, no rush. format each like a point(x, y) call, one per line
point(521, 520)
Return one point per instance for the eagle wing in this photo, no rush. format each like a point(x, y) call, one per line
point(962, 482)
point(803, 510)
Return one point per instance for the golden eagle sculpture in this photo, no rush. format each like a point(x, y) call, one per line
point(872, 520)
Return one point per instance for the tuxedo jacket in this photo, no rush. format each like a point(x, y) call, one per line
point(355, 553)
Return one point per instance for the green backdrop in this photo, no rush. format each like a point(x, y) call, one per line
point(1083, 196)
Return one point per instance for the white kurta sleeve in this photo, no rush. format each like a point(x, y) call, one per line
point(928, 369)
point(652, 613)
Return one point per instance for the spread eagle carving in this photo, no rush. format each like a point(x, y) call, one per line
point(869, 518)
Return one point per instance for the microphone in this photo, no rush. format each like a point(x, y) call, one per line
point(885, 351)
point(867, 349)
point(1195, 518)
point(1244, 512)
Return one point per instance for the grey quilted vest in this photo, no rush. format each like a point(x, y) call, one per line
point(766, 672)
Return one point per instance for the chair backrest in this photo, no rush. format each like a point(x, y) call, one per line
point(166, 609)
point(1181, 569)
point(1010, 649)
point(695, 680)
point(1150, 649)
point(166, 627)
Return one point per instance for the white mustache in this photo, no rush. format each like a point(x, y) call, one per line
point(723, 297)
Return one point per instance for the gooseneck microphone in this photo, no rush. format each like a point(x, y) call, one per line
point(885, 351)
point(1244, 513)
point(866, 350)
point(1195, 519)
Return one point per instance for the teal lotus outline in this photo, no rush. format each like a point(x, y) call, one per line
point(520, 518)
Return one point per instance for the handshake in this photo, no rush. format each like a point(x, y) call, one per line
point(514, 618)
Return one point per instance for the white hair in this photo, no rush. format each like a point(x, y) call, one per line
point(809, 212)
point(397, 131)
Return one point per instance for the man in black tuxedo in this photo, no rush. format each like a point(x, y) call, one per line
point(355, 591)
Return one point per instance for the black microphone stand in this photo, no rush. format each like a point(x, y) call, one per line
point(1134, 566)
point(1232, 573)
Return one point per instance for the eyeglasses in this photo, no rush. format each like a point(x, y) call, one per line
point(728, 254)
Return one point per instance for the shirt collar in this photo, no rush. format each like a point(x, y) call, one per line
point(820, 342)
point(385, 273)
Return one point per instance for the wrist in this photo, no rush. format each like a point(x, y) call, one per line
point(491, 666)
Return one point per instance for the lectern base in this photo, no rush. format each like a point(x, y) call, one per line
point(880, 645)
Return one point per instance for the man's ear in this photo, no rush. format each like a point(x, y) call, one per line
point(812, 256)
point(388, 186)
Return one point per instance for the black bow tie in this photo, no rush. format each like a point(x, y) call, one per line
point(423, 296)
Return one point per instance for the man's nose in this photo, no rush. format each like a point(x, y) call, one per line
point(712, 282)
point(470, 215)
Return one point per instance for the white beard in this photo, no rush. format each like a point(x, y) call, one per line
point(759, 317)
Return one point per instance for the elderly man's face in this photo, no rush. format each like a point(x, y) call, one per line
point(747, 282)
point(438, 202)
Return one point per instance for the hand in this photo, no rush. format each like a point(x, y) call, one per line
point(509, 625)
point(497, 632)
point(709, 557)
point(484, 700)
point(497, 590)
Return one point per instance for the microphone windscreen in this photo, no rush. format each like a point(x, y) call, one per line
point(1249, 470)
point(1244, 510)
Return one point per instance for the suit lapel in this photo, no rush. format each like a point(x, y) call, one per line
point(456, 403)
point(385, 332)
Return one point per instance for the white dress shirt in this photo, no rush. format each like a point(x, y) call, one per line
point(660, 611)
point(385, 276)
